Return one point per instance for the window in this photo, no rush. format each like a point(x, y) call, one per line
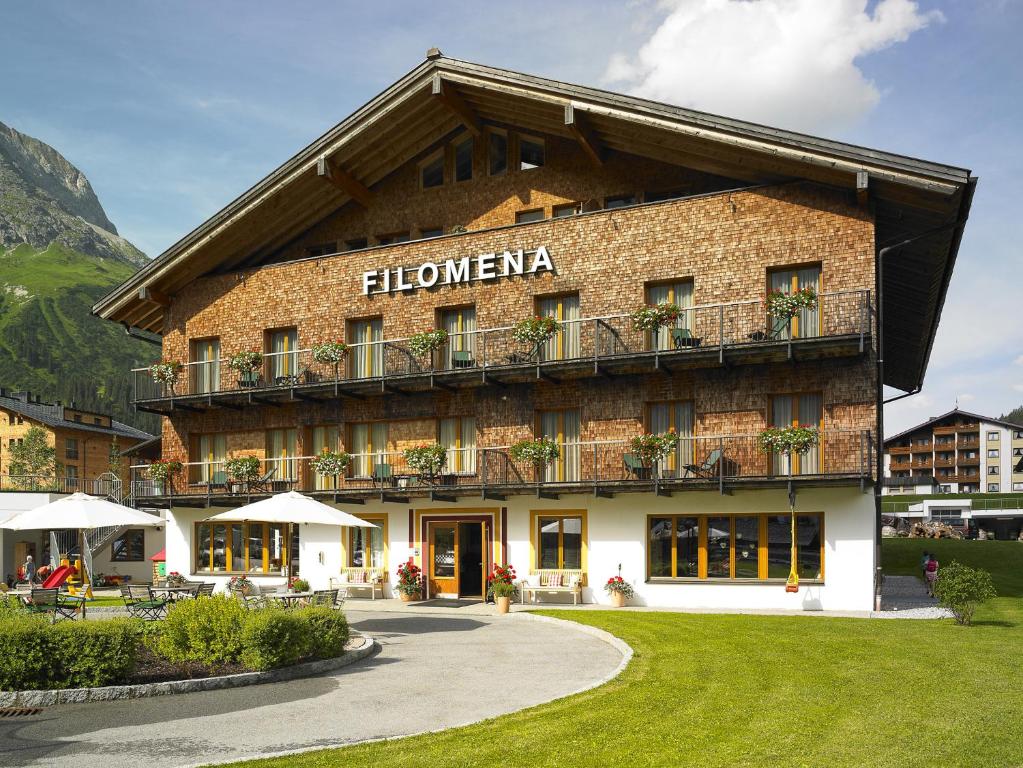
point(944, 489)
point(994, 435)
point(796, 410)
point(281, 453)
point(1017, 434)
point(71, 448)
point(1017, 486)
point(205, 368)
point(366, 358)
point(497, 152)
point(558, 539)
point(71, 475)
point(1017, 451)
point(431, 172)
point(619, 201)
point(992, 487)
point(393, 238)
point(322, 439)
point(967, 488)
point(357, 244)
point(463, 160)
point(78, 418)
point(565, 343)
point(458, 436)
point(674, 417)
point(366, 547)
point(563, 428)
point(129, 547)
point(569, 209)
point(661, 195)
point(97, 420)
point(369, 447)
point(735, 547)
point(992, 453)
point(282, 356)
point(993, 469)
point(208, 457)
point(806, 322)
point(240, 547)
point(524, 217)
point(431, 232)
point(460, 351)
point(531, 153)
point(323, 249)
point(676, 292)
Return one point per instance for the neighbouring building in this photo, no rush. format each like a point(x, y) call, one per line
point(88, 456)
point(468, 198)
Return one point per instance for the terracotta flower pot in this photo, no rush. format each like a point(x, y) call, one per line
point(503, 604)
point(408, 598)
point(618, 599)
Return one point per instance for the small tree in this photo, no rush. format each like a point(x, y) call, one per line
point(961, 589)
point(33, 460)
point(115, 463)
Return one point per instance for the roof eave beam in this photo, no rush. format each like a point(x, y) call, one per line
point(587, 140)
point(347, 183)
point(153, 296)
point(862, 192)
point(449, 96)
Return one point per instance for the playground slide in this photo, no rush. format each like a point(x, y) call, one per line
point(58, 577)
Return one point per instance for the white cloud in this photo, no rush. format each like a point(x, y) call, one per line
point(966, 397)
point(789, 63)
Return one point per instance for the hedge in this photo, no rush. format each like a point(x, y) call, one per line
point(207, 631)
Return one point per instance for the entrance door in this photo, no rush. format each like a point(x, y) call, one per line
point(444, 560)
point(471, 559)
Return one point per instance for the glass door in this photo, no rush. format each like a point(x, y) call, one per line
point(366, 358)
point(324, 439)
point(563, 428)
point(793, 411)
point(282, 361)
point(680, 293)
point(674, 417)
point(807, 322)
point(565, 343)
point(460, 351)
point(205, 366)
point(443, 560)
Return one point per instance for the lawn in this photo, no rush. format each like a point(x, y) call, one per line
point(762, 690)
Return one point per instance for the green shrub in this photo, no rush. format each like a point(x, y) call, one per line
point(274, 638)
point(961, 589)
point(208, 631)
point(328, 631)
point(23, 662)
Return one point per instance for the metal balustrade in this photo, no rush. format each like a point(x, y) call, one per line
point(100, 486)
point(595, 466)
point(703, 333)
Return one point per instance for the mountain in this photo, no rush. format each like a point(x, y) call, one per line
point(59, 252)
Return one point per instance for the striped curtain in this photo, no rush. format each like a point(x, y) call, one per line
point(460, 325)
point(324, 438)
point(671, 293)
point(283, 354)
point(562, 426)
point(565, 344)
point(677, 417)
point(367, 359)
point(281, 450)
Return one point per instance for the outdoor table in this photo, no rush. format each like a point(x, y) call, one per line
point(174, 593)
point(290, 598)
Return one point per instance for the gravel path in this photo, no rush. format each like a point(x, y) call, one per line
point(905, 597)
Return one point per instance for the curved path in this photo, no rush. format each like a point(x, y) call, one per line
point(433, 672)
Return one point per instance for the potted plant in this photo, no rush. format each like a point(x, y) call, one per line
point(789, 440)
point(410, 582)
point(535, 331)
point(331, 353)
point(175, 579)
point(788, 305)
point(166, 372)
point(162, 473)
point(426, 460)
point(618, 589)
point(651, 449)
point(298, 584)
point(539, 452)
point(502, 586)
point(331, 463)
point(242, 470)
point(655, 316)
point(427, 342)
point(240, 585)
point(247, 364)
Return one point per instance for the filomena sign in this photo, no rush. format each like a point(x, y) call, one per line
point(486, 266)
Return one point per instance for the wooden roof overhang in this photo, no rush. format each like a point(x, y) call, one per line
point(443, 96)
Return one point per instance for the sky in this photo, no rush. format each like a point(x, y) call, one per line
point(172, 109)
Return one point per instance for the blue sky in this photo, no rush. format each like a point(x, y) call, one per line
point(173, 109)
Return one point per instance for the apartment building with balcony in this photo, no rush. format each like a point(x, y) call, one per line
point(468, 198)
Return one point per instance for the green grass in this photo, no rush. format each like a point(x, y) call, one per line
point(762, 690)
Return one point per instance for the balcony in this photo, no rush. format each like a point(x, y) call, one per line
point(921, 464)
point(106, 484)
point(968, 461)
point(721, 463)
point(945, 462)
point(900, 450)
point(969, 443)
point(709, 336)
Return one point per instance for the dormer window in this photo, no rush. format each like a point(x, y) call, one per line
point(531, 153)
point(431, 172)
point(463, 160)
point(497, 152)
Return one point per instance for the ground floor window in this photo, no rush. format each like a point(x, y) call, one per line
point(129, 547)
point(739, 547)
point(240, 547)
point(366, 547)
point(558, 540)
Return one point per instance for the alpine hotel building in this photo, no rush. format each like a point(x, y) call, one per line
point(468, 198)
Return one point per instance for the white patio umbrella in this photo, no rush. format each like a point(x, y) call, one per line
point(79, 510)
point(291, 507)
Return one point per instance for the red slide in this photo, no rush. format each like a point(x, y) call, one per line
point(58, 577)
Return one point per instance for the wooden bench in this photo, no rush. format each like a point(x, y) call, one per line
point(571, 584)
point(360, 578)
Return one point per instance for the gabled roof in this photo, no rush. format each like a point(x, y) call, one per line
point(52, 415)
point(911, 198)
point(954, 412)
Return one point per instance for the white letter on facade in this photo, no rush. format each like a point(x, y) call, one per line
point(402, 284)
point(541, 259)
point(369, 279)
point(457, 271)
point(424, 281)
point(485, 266)
point(512, 263)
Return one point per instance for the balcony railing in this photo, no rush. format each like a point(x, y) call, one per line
point(597, 467)
point(705, 335)
point(98, 486)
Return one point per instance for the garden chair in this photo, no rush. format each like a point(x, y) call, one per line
point(462, 359)
point(635, 467)
point(324, 597)
point(205, 589)
point(683, 337)
point(141, 603)
point(262, 484)
point(217, 482)
point(249, 379)
point(383, 474)
point(778, 326)
point(715, 464)
point(52, 602)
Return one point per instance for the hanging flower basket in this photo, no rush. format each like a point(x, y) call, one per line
point(789, 440)
point(427, 342)
point(650, 448)
point(243, 469)
point(426, 459)
point(166, 372)
point(789, 305)
point(535, 330)
point(163, 470)
point(330, 352)
point(539, 452)
point(655, 316)
point(331, 463)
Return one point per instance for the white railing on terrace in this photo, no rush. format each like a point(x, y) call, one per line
point(718, 326)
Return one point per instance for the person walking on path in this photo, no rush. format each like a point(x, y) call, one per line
point(923, 563)
point(931, 574)
point(30, 570)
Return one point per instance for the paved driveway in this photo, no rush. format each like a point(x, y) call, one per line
point(433, 671)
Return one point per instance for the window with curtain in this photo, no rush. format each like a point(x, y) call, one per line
point(369, 447)
point(282, 357)
point(460, 324)
point(677, 417)
point(326, 438)
point(205, 368)
point(458, 436)
point(366, 358)
point(677, 292)
point(559, 541)
point(366, 547)
point(251, 547)
point(807, 323)
point(565, 343)
point(563, 428)
point(210, 451)
point(281, 452)
point(804, 409)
